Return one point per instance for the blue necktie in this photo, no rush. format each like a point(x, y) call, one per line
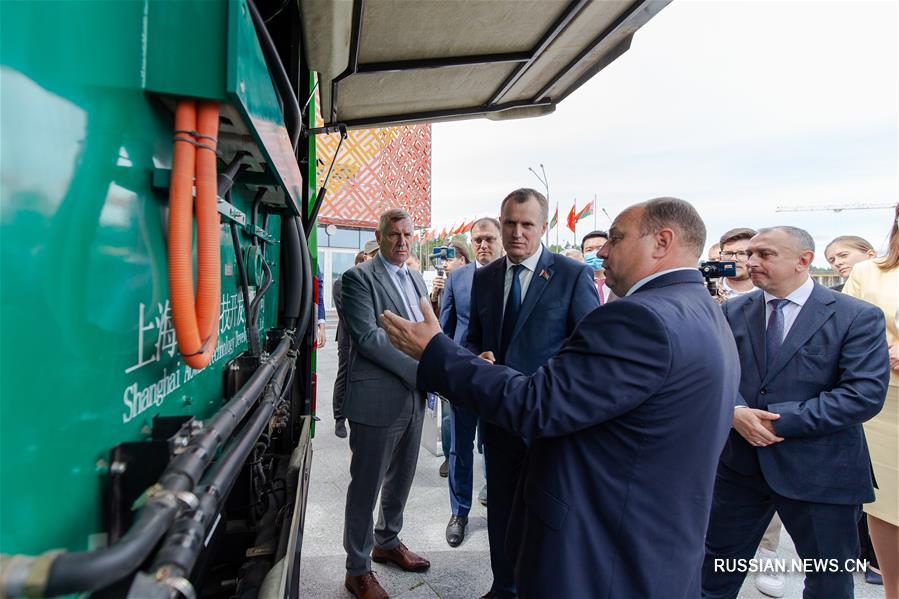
point(510, 315)
point(411, 295)
point(774, 335)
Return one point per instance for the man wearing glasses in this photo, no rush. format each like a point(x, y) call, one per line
point(734, 244)
point(454, 317)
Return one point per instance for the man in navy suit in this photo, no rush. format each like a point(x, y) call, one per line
point(522, 308)
point(454, 318)
point(625, 424)
point(814, 368)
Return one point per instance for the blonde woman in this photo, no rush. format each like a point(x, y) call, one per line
point(845, 252)
point(877, 281)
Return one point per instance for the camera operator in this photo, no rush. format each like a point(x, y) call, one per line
point(734, 245)
point(462, 258)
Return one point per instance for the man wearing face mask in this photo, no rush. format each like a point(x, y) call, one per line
point(590, 246)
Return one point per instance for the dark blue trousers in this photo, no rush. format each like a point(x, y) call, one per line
point(505, 455)
point(463, 425)
point(742, 508)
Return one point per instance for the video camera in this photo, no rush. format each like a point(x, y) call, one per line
point(439, 256)
point(714, 270)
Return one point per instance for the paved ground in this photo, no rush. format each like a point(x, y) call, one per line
point(463, 572)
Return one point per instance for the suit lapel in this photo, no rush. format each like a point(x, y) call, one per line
point(383, 278)
point(811, 317)
point(754, 310)
point(497, 283)
point(536, 288)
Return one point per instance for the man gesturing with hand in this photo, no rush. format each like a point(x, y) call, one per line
point(614, 495)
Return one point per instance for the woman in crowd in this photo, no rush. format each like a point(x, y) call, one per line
point(877, 281)
point(845, 252)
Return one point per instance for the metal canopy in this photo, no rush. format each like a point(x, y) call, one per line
point(390, 62)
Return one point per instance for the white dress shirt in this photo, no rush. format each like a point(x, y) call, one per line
point(398, 274)
point(792, 308)
point(654, 275)
point(524, 276)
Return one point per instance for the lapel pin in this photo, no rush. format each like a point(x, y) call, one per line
point(544, 274)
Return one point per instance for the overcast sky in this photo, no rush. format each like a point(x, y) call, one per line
point(737, 107)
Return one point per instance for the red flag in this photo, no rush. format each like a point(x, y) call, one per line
point(572, 218)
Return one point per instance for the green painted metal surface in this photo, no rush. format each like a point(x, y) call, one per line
point(87, 353)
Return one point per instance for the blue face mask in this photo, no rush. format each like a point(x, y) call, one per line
point(593, 261)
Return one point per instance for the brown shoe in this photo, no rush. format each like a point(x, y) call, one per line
point(365, 586)
point(402, 557)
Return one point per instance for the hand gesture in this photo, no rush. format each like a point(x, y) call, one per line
point(756, 426)
point(409, 337)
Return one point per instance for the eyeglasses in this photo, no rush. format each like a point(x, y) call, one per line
point(480, 240)
point(741, 255)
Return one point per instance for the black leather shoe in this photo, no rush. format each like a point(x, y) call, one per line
point(340, 429)
point(455, 530)
point(444, 469)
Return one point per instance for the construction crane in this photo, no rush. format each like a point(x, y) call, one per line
point(834, 207)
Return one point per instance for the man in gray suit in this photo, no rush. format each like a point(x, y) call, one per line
point(383, 407)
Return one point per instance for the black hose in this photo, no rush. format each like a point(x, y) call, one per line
point(92, 570)
point(273, 60)
point(304, 317)
point(252, 331)
point(257, 203)
point(260, 294)
point(184, 543)
point(229, 174)
point(84, 571)
point(292, 268)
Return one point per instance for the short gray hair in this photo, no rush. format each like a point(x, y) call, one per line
point(659, 213)
point(487, 220)
point(391, 216)
point(520, 196)
point(803, 239)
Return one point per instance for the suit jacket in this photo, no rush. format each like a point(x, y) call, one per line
point(343, 335)
point(380, 377)
point(550, 309)
point(625, 425)
point(829, 376)
point(454, 314)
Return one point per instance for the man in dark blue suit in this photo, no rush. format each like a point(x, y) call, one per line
point(454, 318)
point(522, 308)
point(814, 368)
point(624, 425)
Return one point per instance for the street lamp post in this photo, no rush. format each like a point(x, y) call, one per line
point(545, 182)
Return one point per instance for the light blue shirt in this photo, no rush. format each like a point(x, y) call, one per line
point(654, 275)
point(402, 281)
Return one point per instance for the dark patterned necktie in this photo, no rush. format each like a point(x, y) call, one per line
point(774, 335)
